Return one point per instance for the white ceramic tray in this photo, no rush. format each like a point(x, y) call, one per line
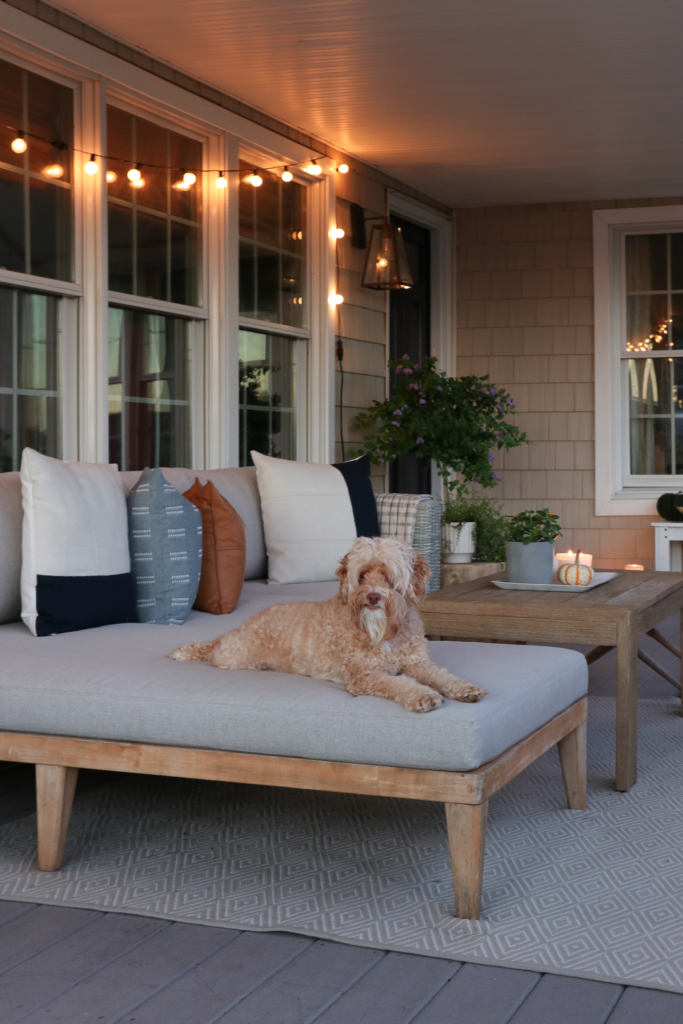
point(598, 580)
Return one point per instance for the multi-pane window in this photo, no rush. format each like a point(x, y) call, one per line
point(155, 219)
point(268, 395)
point(35, 185)
point(149, 389)
point(654, 352)
point(29, 375)
point(273, 246)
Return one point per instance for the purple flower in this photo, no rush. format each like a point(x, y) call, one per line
point(511, 404)
point(416, 366)
point(493, 391)
point(398, 412)
point(501, 410)
point(381, 460)
point(420, 440)
point(405, 355)
point(399, 369)
point(477, 479)
point(415, 387)
point(422, 402)
point(439, 388)
point(497, 478)
point(490, 457)
point(408, 371)
point(395, 423)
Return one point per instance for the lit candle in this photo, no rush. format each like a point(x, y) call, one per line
point(639, 568)
point(570, 556)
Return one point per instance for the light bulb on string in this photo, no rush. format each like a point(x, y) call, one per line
point(221, 180)
point(135, 174)
point(313, 168)
point(138, 183)
point(337, 233)
point(182, 185)
point(343, 168)
point(189, 178)
point(287, 174)
point(91, 166)
point(254, 179)
point(54, 171)
point(111, 176)
point(19, 145)
point(336, 299)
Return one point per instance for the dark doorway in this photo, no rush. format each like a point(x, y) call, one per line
point(409, 334)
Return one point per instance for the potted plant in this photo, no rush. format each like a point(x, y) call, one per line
point(457, 421)
point(473, 528)
point(529, 546)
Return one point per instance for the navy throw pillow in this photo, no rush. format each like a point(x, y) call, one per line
point(356, 474)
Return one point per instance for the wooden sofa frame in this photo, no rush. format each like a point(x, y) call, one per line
point(465, 794)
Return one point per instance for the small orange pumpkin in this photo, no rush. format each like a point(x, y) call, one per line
point(574, 574)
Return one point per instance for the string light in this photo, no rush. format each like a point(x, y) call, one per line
point(313, 168)
point(189, 178)
point(91, 166)
point(135, 174)
point(54, 171)
point(138, 183)
point(343, 168)
point(111, 176)
point(221, 181)
point(337, 233)
point(254, 179)
point(336, 299)
point(287, 174)
point(182, 185)
point(19, 145)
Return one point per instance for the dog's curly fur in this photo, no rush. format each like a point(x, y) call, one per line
point(369, 636)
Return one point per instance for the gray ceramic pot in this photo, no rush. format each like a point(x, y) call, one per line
point(529, 563)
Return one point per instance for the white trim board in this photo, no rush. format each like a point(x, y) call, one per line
point(613, 494)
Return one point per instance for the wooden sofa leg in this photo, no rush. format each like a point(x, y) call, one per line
point(572, 750)
point(55, 787)
point(466, 839)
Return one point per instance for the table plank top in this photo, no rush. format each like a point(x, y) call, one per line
point(630, 591)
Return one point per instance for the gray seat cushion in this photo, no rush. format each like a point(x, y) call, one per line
point(10, 546)
point(115, 683)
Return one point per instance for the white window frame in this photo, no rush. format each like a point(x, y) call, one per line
point(617, 492)
point(99, 77)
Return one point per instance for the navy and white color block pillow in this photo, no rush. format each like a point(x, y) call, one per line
point(75, 571)
point(165, 537)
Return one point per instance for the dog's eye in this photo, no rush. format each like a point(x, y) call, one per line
point(362, 577)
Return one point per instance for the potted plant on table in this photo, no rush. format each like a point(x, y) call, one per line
point(458, 422)
point(529, 546)
point(484, 541)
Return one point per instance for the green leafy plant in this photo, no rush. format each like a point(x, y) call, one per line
point(490, 524)
point(529, 527)
point(456, 421)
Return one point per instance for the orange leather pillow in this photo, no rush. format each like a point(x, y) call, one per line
point(224, 550)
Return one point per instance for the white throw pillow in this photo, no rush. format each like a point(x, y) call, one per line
point(308, 519)
point(75, 570)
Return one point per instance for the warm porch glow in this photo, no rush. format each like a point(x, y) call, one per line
point(570, 556)
point(639, 568)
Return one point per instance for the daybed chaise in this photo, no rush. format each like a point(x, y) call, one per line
point(110, 699)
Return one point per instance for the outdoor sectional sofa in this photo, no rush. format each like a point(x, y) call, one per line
point(110, 698)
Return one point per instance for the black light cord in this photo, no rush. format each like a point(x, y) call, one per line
point(340, 357)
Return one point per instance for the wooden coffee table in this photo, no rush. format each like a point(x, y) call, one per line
point(615, 614)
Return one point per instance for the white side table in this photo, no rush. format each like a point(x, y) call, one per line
point(668, 547)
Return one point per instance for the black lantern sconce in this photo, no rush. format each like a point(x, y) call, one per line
point(386, 265)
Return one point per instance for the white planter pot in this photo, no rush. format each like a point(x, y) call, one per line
point(457, 542)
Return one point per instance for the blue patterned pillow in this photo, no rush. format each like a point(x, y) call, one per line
point(165, 538)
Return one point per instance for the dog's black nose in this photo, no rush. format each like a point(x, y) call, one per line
point(374, 599)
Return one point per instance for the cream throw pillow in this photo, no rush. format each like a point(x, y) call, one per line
point(307, 519)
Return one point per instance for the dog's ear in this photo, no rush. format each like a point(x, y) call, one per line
point(421, 574)
point(343, 573)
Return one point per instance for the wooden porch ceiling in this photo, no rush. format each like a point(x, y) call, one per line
point(474, 103)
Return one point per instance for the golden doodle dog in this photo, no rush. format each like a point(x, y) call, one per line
point(368, 637)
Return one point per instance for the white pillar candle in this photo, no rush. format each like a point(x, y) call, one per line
point(570, 556)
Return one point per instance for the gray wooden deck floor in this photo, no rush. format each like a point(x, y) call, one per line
point(66, 966)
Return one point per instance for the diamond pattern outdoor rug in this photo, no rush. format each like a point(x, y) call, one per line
point(595, 894)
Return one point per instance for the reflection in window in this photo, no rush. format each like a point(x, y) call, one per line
point(154, 229)
point(149, 390)
point(29, 376)
point(654, 338)
point(35, 186)
point(268, 390)
point(272, 249)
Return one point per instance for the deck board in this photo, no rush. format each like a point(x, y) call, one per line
point(558, 1000)
point(479, 995)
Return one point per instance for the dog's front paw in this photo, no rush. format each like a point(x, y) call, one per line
point(470, 694)
point(423, 699)
point(180, 654)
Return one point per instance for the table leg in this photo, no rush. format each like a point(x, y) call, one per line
point(681, 646)
point(627, 703)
